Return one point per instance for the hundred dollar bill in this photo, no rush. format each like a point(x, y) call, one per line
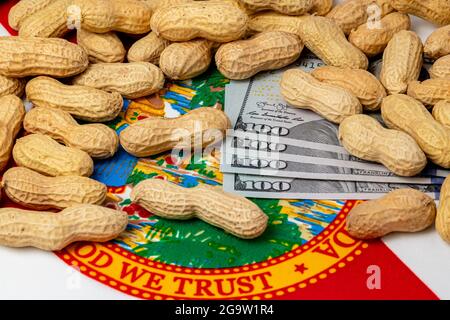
point(301, 143)
point(287, 188)
point(245, 152)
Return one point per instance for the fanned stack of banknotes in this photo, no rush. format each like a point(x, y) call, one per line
point(277, 151)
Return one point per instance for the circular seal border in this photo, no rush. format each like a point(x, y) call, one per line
point(71, 259)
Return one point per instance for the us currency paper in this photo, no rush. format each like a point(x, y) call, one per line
point(287, 188)
point(292, 142)
point(262, 156)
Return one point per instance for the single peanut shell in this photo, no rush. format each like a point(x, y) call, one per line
point(33, 190)
point(11, 86)
point(364, 137)
point(441, 113)
point(147, 49)
point(441, 68)
point(23, 9)
point(302, 90)
point(155, 135)
point(22, 57)
point(234, 214)
point(101, 47)
point(185, 60)
point(274, 21)
point(443, 212)
point(54, 231)
point(372, 40)
point(82, 102)
point(132, 80)
point(324, 38)
point(430, 91)
point(100, 16)
point(213, 20)
point(361, 83)
point(401, 112)
point(266, 51)
point(438, 43)
point(49, 22)
point(12, 112)
point(402, 62)
point(321, 7)
point(44, 155)
point(97, 140)
point(289, 7)
point(436, 11)
point(401, 210)
point(350, 14)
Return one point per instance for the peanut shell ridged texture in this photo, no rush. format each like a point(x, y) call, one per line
point(443, 212)
point(266, 51)
point(236, 3)
point(402, 210)
point(350, 14)
point(128, 16)
point(404, 113)
point(385, 6)
point(274, 21)
point(82, 102)
point(441, 68)
point(21, 57)
point(11, 86)
point(101, 47)
point(147, 49)
point(155, 4)
point(321, 7)
point(212, 20)
point(132, 80)
point(54, 231)
point(290, 7)
point(302, 90)
point(438, 43)
point(441, 113)
point(373, 41)
point(12, 112)
point(365, 138)
point(152, 4)
point(97, 140)
point(402, 62)
point(50, 22)
point(324, 38)
point(185, 60)
point(44, 155)
point(155, 135)
point(33, 190)
point(7, 141)
point(234, 214)
point(361, 83)
point(23, 9)
point(430, 91)
point(436, 11)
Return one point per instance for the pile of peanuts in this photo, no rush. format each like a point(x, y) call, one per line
point(88, 81)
